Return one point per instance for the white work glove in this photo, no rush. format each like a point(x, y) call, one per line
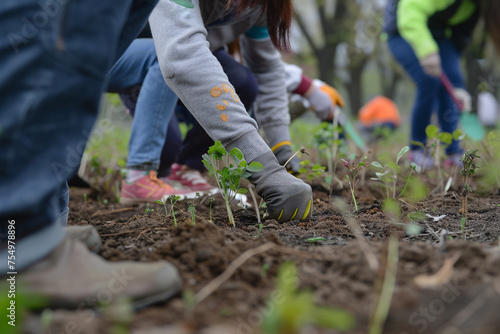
point(464, 97)
point(323, 99)
point(431, 64)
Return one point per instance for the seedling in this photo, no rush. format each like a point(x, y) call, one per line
point(230, 175)
point(311, 171)
point(391, 171)
point(316, 239)
point(212, 200)
point(434, 138)
point(147, 211)
point(467, 171)
point(84, 197)
point(296, 309)
point(355, 170)
point(192, 208)
point(171, 200)
point(251, 189)
point(326, 139)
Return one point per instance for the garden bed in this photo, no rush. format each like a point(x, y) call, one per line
point(335, 268)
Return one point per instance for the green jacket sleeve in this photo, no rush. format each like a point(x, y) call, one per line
point(412, 23)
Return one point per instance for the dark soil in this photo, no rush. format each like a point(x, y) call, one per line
point(335, 269)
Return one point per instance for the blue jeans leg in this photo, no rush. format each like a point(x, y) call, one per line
point(430, 92)
point(53, 56)
point(155, 103)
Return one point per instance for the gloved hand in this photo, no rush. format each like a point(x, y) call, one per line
point(287, 197)
point(323, 99)
point(431, 64)
point(283, 153)
point(464, 97)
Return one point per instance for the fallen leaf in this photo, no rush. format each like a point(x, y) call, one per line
point(441, 277)
point(436, 219)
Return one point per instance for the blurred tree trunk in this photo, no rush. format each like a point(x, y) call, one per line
point(325, 54)
point(354, 86)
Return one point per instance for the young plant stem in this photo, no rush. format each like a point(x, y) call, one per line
point(302, 150)
point(210, 210)
point(229, 212)
point(394, 183)
point(385, 298)
point(353, 198)
point(406, 185)
point(438, 165)
point(251, 190)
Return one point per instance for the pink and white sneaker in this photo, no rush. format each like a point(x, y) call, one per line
point(189, 178)
point(148, 189)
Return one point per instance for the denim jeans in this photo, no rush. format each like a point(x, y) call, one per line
point(431, 95)
point(55, 54)
point(155, 141)
point(138, 69)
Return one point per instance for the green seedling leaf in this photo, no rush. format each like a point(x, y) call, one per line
point(377, 164)
point(318, 169)
point(413, 229)
point(303, 170)
point(217, 150)
point(391, 207)
point(333, 318)
point(431, 131)
point(255, 167)
point(458, 134)
point(392, 166)
point(415, 167)
point(417, 216)
point(242, 191)
point(316, 239)
point(445, 137)
point(403, 151)
point(417, 143)
point(235, 152)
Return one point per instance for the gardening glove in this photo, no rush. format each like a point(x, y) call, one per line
point(464, 97)
point(323, 100)
point(283, 152)
point(287, 197)
point(431, 64)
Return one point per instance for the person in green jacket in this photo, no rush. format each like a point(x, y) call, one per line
point(427, 38)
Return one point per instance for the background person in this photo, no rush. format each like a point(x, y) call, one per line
point(427, 37)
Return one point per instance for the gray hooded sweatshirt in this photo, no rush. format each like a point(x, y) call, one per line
point(179, 29)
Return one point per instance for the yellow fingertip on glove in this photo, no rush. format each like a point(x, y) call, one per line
point(333, 94)
point(308, 208)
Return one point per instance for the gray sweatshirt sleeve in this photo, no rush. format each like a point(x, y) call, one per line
point(194, 74)
point(264, 61)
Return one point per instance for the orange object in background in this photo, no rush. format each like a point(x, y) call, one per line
point(379, 110)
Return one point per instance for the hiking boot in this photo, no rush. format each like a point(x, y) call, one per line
point(454, 160)
point(418, 157)
point(73, 277)
point(87, 235)
point(148, 189)
point(190, 178)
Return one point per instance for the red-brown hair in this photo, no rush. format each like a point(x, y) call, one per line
point(279, 18)
point(491, 15)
